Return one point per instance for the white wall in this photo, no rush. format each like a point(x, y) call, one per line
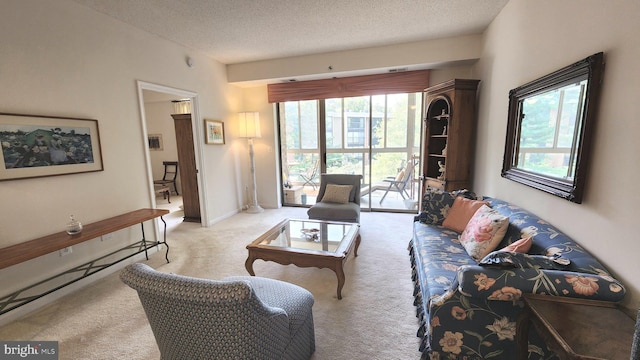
point(413, 55)
point(62, 59)
point(530, 39)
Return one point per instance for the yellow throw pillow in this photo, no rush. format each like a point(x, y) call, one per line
point(484, 232)
point(400, 175)
point(337, 193)
point(461, 212)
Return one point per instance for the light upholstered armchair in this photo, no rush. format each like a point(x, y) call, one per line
point(338, 198)
point(243, 317)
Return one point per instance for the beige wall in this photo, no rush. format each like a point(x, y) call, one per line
point(59, 58)
point(415, 55)
point(530, 39)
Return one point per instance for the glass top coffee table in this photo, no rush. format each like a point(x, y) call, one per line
point(307, 243)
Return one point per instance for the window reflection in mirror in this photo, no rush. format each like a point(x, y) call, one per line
point(549, 129)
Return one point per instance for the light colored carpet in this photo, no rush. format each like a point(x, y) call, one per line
point(374, 320)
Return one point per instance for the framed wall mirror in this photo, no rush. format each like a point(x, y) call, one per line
point(549, 129)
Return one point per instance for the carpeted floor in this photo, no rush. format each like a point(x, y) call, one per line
point(374, 320)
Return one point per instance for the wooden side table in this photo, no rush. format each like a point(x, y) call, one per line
point(576, 328)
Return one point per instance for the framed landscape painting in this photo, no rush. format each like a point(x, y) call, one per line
point(36, 146)
point(214, 132)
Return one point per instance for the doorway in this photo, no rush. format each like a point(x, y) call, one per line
point(156, 107)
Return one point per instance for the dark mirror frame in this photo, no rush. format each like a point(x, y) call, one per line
point(590, 68)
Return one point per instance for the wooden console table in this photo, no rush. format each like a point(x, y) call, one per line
point(576, 328)
point(32, 249)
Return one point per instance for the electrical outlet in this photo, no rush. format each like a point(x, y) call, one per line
point(66, 251)
point(106, 237)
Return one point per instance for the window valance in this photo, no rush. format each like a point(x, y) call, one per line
point(390, 83)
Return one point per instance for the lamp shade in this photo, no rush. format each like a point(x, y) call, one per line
point(181, 106)
point(249, 124)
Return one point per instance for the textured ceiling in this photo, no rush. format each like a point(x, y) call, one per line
point(236, 31)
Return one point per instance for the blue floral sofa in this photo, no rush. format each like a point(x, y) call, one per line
point(468, 309)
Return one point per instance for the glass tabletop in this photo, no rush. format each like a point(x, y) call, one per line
point(313, 235)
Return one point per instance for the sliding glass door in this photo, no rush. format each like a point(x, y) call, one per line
point(395, 152)
point(346, 129)
point(300, 151)
point(375, 136)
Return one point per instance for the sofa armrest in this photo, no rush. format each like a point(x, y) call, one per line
point(509, 284)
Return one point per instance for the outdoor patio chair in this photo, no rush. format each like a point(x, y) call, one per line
point(401, 183)
point(311, 175)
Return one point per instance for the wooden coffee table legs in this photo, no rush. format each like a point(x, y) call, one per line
point(248, 264)
point(340, 274)
point(339, 270)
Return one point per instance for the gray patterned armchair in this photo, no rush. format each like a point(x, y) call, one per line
point(242, 317)
point(347, 209)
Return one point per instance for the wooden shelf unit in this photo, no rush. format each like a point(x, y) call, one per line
point(449, 134)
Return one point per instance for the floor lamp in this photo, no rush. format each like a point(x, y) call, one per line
point(250, 128)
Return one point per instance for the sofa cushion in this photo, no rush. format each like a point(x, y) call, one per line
point(436, 204)
point(484, 232)
point(547, 240)
point(461, 212)
point(523, 261)
point(349, 212)
point(338, 194)
point(522, 246)
point(438, 254)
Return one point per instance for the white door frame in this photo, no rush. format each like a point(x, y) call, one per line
point(198, 133)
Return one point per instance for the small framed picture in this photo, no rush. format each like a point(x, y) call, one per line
point(214, 132)
point(155, 142)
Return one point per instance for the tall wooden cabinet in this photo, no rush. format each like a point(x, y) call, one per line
point(187, 167)
point(449, 135)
